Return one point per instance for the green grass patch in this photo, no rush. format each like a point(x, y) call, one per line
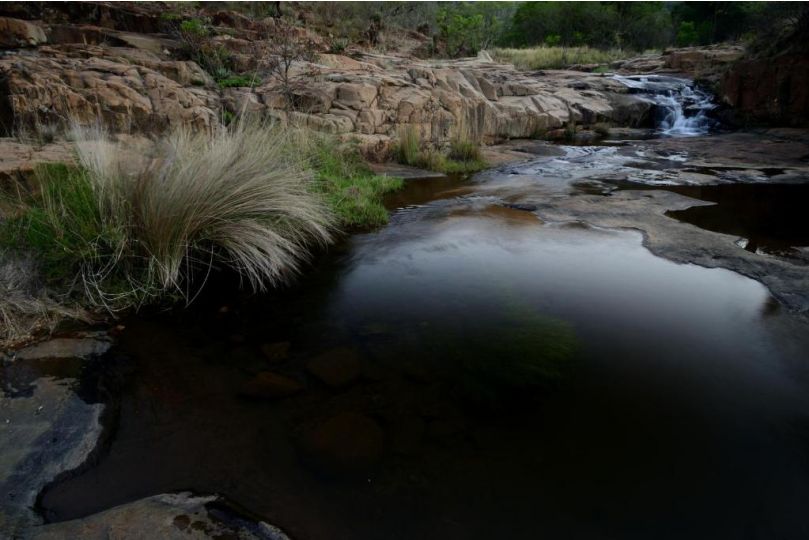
point(351, 189)
point(238, 81)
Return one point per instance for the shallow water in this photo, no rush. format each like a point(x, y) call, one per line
point(528, 379)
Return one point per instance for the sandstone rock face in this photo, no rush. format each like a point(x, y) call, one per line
point(774, 91)
point(85, 83)
point(706, 64)
point(16, 33)
point(135, 89)
point(18, 160)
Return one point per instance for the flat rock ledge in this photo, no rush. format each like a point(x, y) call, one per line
point(169, 516)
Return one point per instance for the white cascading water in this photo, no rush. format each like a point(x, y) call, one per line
point(681, 108)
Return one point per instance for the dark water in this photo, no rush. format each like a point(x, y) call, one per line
point(520, 379)
point(768, 218)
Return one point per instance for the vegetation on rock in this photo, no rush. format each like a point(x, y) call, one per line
point(464, 154)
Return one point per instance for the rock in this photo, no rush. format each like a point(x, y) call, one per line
point(774, 91)
point(59, 83)
point(17, 33)
point(270, 385)
point(18, 160)
point(171, 516)
point(337, 367)
point(523, 207)
point(41, 436)
point(65, 348)
point(276, 352)
point(346, 444)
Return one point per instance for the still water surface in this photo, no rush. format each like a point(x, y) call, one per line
point(529, 379)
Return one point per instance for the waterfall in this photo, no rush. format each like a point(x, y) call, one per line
point(681, 109)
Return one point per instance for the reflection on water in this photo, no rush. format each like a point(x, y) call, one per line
point(492, 377)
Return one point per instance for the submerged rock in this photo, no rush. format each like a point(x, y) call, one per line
point(346, 444)
point(276, 352)
point(270, 385)
point(337, 367)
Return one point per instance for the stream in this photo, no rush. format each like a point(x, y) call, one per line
point(504, 359)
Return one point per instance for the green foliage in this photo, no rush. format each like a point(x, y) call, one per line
point(687, 34)
point(194, 27)
point(338, 46)
point(239, 81)
point(468, 27)
point(635, 25)
point(645, 25)
point(352, 190)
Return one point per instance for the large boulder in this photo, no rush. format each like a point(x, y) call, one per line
point(773, 91)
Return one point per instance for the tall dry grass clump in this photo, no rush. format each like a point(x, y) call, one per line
point(545, 57)
point(131, 227)
point(25, 306)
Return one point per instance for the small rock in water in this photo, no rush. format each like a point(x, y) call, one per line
point(337, 367)
point(345, 444)
point(269, 385)
point(275, 352)
point(523, 207)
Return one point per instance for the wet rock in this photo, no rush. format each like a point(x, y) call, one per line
point(168, 516)
point(337, 367)
point(346, 444)
point(270, 385)
point(276, 352)
point(65, 348)
point(41, 436)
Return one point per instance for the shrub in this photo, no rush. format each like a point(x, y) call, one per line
point(463, 149)
point(127, 229)
point(602, 128)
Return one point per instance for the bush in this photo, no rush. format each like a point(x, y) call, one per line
point(122, 230)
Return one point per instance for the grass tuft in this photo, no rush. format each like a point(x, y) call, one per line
point(124, 229)
point(464, 155)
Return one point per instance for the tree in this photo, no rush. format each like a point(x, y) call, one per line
point(286, 46)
